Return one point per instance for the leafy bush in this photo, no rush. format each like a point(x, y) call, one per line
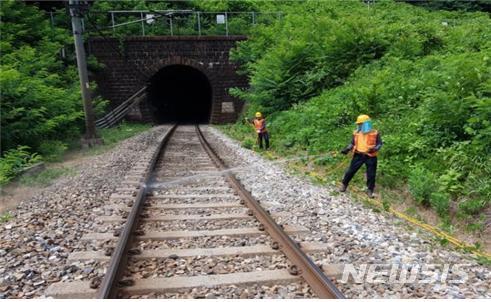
point(40, 92)
point(473, 206)
point(14, 160)
point(52, 150)
point(450, 182)
point(248, 143)
point(41, 100)
point(424, 77)
point(421, 185)
point(441, 203)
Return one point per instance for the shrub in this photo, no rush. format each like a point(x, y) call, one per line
point(473, 206)
point(14, 160)
point(52, 150)
point(248, 143)
point(450, 182)
point(440, 202)
point(40, 92)
point(421, 185)
point(426, 84)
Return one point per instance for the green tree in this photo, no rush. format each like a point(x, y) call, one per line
point(40, 98)
point(423, 75)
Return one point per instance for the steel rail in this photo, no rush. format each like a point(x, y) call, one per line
point(108, 288)
point(304, 266)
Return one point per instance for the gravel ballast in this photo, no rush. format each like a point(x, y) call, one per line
point(45, 229)
point(356, 234)
point(36, 242)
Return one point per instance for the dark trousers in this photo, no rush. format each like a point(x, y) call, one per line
point(356, 163)
point(263, 136)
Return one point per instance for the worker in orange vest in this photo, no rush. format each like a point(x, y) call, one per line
point(365, 144)
point(259, 123)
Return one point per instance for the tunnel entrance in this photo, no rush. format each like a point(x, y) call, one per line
point(181, 94)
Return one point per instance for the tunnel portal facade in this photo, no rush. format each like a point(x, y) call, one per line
point(187, 78)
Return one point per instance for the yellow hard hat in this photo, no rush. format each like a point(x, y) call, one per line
point(258, 114)
point(362, 118)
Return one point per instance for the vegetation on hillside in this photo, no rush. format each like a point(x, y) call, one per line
point(182, 22)
point(424, 76)
point(41, 108)
point(40, 94)
point(474, 5)
point(421, 70)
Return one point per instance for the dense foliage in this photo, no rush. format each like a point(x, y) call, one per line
point(40, 95)
point(473, 5)
point(14, 160)
point(182, 22)
point(424, 76)
point(41, 109)
point(422, 73)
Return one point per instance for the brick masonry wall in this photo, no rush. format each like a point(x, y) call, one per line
point(142, 57)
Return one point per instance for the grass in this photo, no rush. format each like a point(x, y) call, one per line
point(46, 177)
point(112, 136)
point(484, 261)
point(123, 131)
point(58, 152)
point(330, 166)
point(5, 217)
point(63, 163)
point(413, 212)
point(329, 169)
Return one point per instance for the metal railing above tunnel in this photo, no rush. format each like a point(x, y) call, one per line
point(180, 22)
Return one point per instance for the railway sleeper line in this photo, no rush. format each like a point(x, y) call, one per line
point(220, 226)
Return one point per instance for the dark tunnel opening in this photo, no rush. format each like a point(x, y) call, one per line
point(181, 94)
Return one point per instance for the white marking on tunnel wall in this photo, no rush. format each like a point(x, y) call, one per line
point(228, 107)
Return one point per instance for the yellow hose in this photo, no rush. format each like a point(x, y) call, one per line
point(439, 233)
point(425, 226)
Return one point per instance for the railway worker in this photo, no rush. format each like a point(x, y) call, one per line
point(365, 144)
point(259, 123)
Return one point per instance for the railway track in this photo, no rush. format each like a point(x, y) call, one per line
point(181, 225)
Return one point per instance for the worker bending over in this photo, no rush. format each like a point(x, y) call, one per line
point(259, 123)
point(365, 144)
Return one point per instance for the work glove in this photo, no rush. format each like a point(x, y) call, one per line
point(346, 151)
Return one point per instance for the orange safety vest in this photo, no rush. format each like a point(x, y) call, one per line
point(260, 125)
point(365, 141)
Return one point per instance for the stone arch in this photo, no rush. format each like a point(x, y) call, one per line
point(177, 60)
point(209, 55)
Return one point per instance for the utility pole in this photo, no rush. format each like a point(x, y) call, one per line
point(77, 8)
